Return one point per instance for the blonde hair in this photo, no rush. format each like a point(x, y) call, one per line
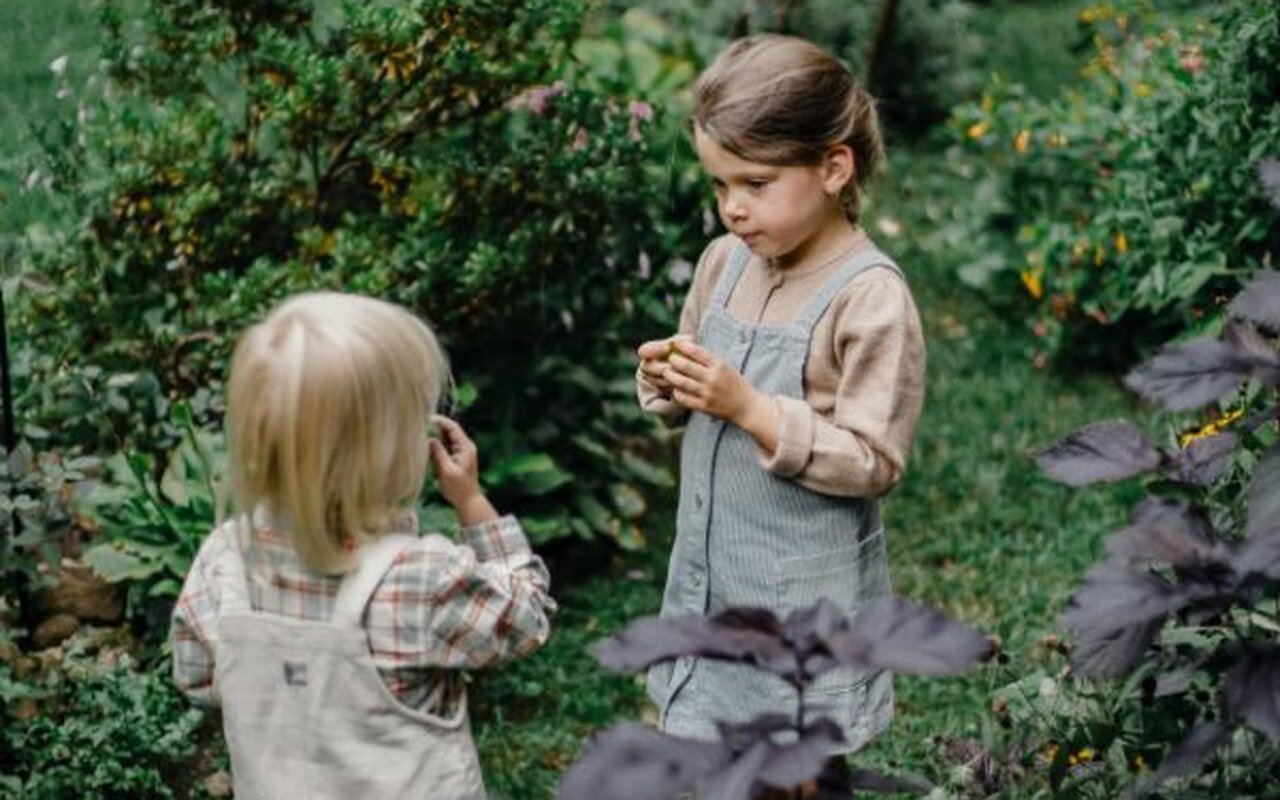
point(328, 405)
point(785, 101)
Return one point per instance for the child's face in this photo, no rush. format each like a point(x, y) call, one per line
point(777, 211)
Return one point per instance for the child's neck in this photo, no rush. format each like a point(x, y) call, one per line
point(836, 238)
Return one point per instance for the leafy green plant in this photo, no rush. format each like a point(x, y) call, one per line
point(1183, 609)
point(37, 491)
point(772, 755)
point(154, 522)
point(449, 156)
point(1132, 193)
point(102, 733)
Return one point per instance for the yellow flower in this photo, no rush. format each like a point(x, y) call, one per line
point(1211, 428)
point(988, 102)
point(1022, 141)
point(977, 130)
point(1122, 244)
point(1057, 140)
point(1139, 763)
point(1031, 280)
point(1143, 89)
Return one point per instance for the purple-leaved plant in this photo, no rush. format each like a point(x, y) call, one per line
point(1171, 562)
point(773, 755)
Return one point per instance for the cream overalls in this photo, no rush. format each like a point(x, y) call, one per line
point(305, 712)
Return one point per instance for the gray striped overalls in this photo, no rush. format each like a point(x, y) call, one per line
point(745, 536)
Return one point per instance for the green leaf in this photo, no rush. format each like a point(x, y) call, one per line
point(115, 565)
point(628, 500)
point(532, 473)
point(642, 470)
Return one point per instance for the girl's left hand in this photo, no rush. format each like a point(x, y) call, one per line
point(701, 381)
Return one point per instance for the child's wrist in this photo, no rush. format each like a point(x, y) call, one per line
point(475, 509)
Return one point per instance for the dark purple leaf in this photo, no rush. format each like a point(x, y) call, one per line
point(891, 633)
point(746, 635)
point(1251, 344)
point(1260, 555)
point(809, 630)
point(1252, 690)
point(1186, 376)
point(870, 781)
point(1203, 461)
point(738, 779)
point(634, 762)
point(787, 766)
point(1269, 174)
point(1187, 755)
point(1103, 451)
point(1259, 301)
point(1166, 531)
point(1264, 493)
point(1113, 653)
point(742, 736)
point(1114, 598)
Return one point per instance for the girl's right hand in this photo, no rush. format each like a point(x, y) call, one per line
point(654, 357)
point(457, 468)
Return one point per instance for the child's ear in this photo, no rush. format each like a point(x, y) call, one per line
point(838, 169)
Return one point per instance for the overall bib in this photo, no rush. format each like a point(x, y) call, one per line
point(745, 536)
point(307, 717)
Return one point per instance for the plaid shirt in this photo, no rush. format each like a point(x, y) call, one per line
point(441, 607)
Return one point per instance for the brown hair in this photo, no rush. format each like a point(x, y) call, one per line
point(785, 101)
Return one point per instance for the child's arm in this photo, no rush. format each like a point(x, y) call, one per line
point(486, 601)
point(859, 448)
point(191, 628)
point(477, 604)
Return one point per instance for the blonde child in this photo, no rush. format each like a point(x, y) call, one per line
point(326, 628)
point(798, 366)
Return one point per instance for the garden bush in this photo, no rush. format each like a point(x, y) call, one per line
point(1182, 611)
point(449, 156)
point(94, 727)
point(923, 67)
point(1132, 194)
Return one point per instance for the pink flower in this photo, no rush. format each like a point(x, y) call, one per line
point(537, 98)
point(1192, 60)
point(640, 111)
point(580, 140)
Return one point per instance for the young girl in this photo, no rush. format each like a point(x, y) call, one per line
point(330, 633)
point(801, 358)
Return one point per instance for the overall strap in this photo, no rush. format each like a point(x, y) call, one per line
point(357, 588)
point(229, 569)
point(817, 305)
point(739, 257)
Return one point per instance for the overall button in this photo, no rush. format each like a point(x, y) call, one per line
point(697, 500)
point(695, 580)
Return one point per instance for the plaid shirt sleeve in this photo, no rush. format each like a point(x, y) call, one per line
point(192, 627)
point(463, 605)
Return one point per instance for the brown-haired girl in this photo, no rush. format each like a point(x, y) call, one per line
point(799, 366)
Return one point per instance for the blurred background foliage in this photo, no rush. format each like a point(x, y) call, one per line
point(1070, 183)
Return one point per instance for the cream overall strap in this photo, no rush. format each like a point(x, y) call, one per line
point(357, 588)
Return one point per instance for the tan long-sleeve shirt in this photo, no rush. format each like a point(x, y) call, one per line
point(863, 379)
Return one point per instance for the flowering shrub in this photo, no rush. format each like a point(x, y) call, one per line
point(439, 154)
point(1133, 194)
